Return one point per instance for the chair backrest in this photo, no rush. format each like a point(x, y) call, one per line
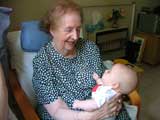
point(32, 38)
point(23, 46)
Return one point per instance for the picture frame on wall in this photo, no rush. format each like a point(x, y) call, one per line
point(140, 40)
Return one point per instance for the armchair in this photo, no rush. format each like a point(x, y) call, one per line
point(23, 103)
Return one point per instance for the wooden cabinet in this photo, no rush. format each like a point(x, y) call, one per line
point(152, 49)
point(111, 41)
point(151, 53)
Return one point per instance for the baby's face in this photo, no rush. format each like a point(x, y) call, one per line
point(108, 77)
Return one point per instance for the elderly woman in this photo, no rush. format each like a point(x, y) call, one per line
point(63, 69)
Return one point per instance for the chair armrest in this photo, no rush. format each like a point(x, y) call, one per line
point(22, 101)
point(135, 99)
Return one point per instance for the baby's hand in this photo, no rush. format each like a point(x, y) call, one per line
point(97, 78)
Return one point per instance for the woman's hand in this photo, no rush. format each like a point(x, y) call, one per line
point(109, 109)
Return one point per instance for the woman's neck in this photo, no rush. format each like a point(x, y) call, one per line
point(69, 54)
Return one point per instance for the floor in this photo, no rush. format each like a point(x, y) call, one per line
point(149, 88)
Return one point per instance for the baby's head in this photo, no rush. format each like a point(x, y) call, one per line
point(120, 77)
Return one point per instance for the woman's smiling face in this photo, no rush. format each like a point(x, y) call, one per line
point(67, 32)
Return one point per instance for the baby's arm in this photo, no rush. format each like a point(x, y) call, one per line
point(90, 104)
point(87, 105)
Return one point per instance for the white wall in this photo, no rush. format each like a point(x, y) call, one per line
point(34, 9)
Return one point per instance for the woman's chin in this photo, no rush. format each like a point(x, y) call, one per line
point(70, 47)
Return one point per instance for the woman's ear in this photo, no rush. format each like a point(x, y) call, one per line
point(51, 32)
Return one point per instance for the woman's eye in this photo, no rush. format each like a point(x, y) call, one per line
point(72, 29)
point(68, 29)
point(78, 29)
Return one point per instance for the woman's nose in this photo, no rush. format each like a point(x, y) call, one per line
point(75, 35)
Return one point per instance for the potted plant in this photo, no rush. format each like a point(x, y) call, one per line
point(115, 16)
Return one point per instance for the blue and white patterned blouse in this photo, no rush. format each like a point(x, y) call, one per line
point(69, 78)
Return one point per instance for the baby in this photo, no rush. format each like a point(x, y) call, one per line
point(120, 79)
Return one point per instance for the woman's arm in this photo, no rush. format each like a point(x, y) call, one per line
point(87, 105)
point(60, 111)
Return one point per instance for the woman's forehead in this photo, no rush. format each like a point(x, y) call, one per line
point(69, 19)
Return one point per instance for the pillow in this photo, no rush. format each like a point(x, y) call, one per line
point(32, 38)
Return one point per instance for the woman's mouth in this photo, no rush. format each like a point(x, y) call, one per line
point(71, 42)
